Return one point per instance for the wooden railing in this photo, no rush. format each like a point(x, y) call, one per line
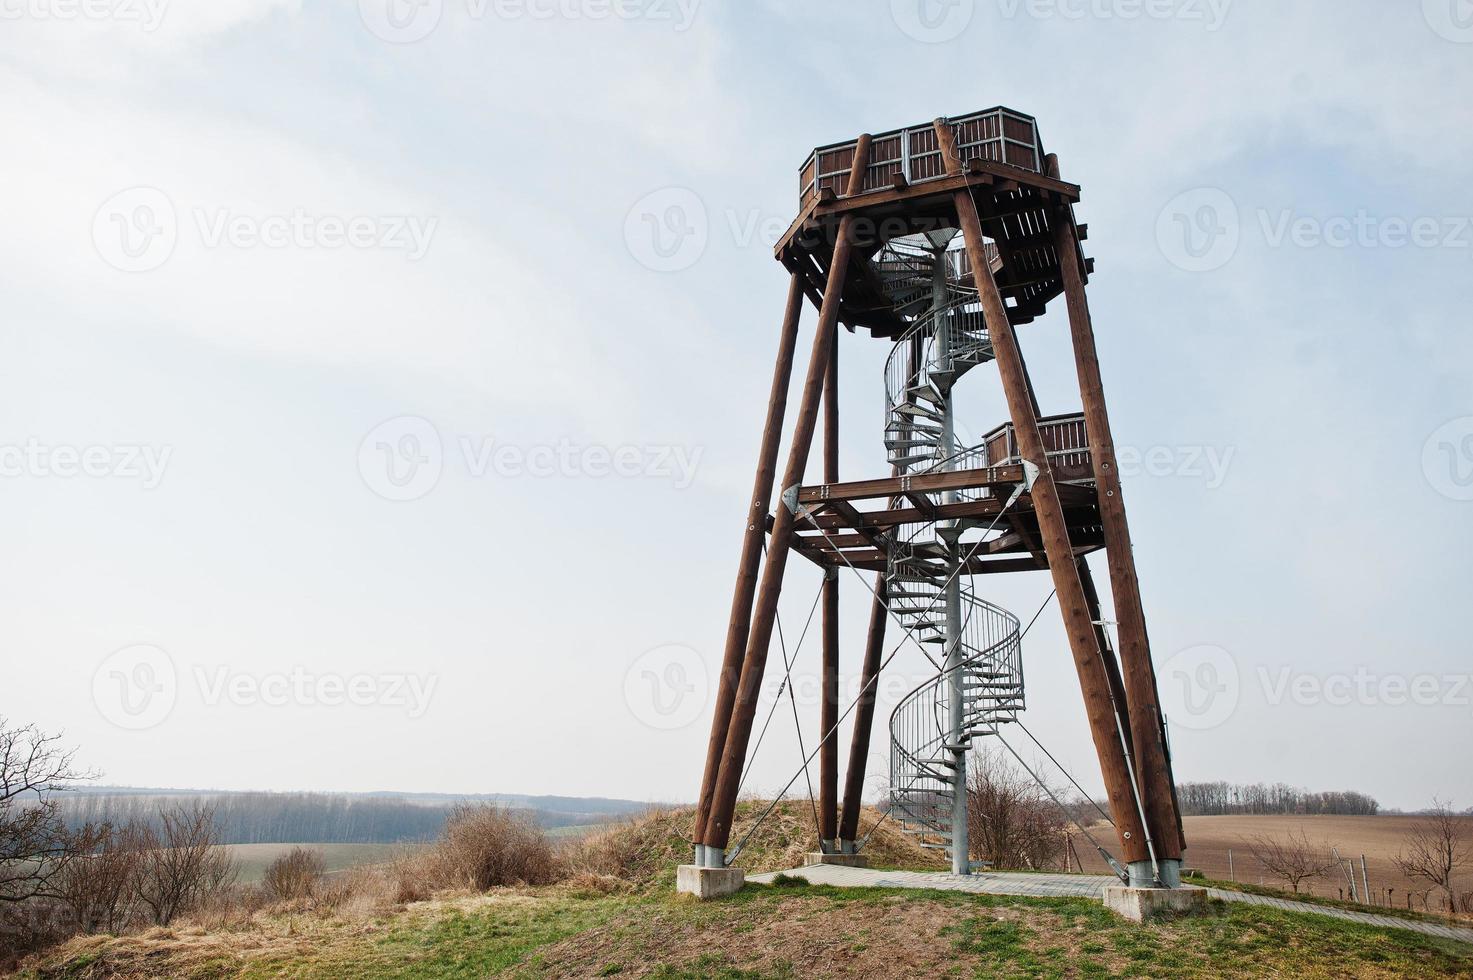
point(999, 135)
point(1064, 439)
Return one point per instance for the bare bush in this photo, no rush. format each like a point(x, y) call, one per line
point(1437, 850)
point(485, 847)
point(295, 876)
point(1011, 820)
point(1293, 859)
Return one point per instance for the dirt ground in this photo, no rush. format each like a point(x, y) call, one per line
point(1209, 840)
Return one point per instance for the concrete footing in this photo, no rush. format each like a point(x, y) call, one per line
point(840, 860)
point(1144, 904)
point(706, 883)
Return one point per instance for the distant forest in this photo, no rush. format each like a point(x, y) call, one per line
point(1256, 799)
point(327, 818)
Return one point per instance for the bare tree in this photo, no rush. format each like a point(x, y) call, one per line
point(185, 863)
point(102, 888)
point(1294, 859)
point(36, 847)
point(1437, 850)
point(1011, 822)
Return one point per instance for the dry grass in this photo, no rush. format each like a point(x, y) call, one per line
point(645, 850)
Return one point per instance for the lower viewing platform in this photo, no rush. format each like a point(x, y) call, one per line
point(839, 524)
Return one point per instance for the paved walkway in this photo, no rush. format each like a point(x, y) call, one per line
point(1083, 886)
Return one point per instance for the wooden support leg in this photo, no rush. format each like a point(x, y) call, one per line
point(1153, 772)
point(864, 714)
point(1054, 530)
point(1107, 654)
point(717, 831)
point(751, 557)
point(718, 822)
point(828, 757)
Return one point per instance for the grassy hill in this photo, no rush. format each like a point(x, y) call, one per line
point(614, 913)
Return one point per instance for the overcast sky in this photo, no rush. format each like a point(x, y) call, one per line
point(381, 382)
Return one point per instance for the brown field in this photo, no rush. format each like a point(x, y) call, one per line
point(1378, 838)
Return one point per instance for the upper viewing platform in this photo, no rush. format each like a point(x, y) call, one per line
point(996, 135)
point(904, 203)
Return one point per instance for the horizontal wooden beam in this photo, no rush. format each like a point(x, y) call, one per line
point(900, 486)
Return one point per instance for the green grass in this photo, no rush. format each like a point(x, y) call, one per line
point(768, 932)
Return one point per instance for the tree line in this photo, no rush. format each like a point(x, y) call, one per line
point(1215, 799)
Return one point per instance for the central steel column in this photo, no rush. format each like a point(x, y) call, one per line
point(961, 855)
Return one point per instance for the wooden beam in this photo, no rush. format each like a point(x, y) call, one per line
point(899, 486)
point(1079, 629)
point(1153, 772)
point(753, 534)
point(717, 831)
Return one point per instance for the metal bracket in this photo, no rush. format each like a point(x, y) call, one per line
point(790, 499)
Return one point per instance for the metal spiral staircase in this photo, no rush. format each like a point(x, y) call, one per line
point(981, 684)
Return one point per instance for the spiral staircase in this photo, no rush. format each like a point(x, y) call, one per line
point(981, 684)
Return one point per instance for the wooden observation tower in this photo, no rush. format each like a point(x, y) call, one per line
point(943, 239)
